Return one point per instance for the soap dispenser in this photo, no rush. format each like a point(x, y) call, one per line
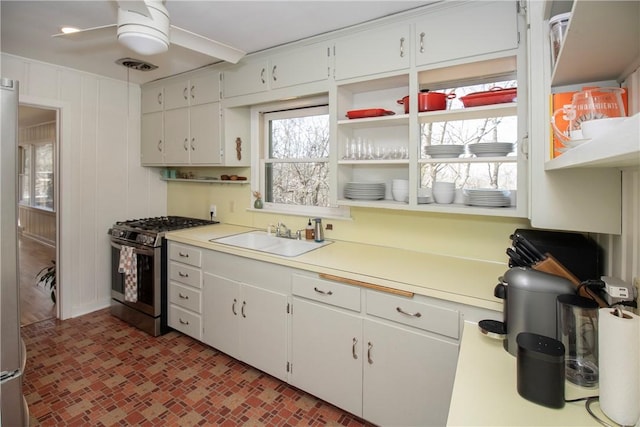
point(318, 233)
point(308, 232)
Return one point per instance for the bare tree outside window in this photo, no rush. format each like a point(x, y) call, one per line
point(297, 165)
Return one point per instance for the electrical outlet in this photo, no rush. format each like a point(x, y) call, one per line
point(213, 211)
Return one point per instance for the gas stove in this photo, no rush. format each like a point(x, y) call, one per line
point(150, 231)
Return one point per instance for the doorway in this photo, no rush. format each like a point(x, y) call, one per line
point(37, 210)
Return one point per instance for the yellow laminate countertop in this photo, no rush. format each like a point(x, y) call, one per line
point(485, 390)
point(461, 280)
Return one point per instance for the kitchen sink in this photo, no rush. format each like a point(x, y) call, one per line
point(263, 242)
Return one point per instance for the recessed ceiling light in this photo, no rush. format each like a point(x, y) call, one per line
point(67, 30)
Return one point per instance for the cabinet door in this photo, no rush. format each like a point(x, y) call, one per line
point(408, 377)
point(176, 95)
point(176, 136)
point(152, 99)
point(204, 142)
point(252, 77)
point(205, 89)
point(220, 313)
point(467, 29)
point(263, 330)
point(373, 51)
point(152, 139)
point(327, 354)
point(309, 64)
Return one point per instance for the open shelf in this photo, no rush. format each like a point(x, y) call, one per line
point(619, 148)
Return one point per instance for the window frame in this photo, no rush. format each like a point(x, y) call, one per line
point(260, 156)
point(31, 148)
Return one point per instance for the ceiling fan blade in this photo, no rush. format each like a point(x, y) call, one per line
point(135, 6)
point(204, 45)
point(89, 34)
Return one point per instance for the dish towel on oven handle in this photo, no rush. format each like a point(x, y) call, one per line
point(129, 266)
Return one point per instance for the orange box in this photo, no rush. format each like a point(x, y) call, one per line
point(558, 100)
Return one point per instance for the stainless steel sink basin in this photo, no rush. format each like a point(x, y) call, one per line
point(261, 241)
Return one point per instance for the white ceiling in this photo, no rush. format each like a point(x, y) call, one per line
point(251, 26)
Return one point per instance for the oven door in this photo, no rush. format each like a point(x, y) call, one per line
point(149, 278)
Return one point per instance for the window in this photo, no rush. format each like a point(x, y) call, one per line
point(294, 163)
point(36, 175)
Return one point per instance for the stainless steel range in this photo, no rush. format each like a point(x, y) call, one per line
point(141, 242)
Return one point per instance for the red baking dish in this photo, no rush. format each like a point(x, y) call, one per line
point(496, 95)
point(368, 112)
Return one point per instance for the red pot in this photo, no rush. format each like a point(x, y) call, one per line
point(428, 101)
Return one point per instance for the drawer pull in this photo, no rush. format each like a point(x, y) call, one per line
point(416, 314)
point(233, 307)
point(369, 348)
point(422, 42)
point(353, 348)
point(182, 296)
point(320, 291)
point(242, 308)
point(184, 322)
point(184, 254)
point(181, 274)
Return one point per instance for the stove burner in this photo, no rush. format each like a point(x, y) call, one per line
point(164, 223)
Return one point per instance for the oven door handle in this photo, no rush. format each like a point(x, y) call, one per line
point(139, 249)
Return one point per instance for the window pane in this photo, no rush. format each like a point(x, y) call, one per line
point(25, 169)
point(300, 183)
point(299, 138)
point(43, 185)
point(471, 175)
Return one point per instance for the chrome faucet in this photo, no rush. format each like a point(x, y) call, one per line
point(282, 231)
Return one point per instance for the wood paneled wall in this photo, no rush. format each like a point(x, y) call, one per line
point(38, 224)
point(101, 180)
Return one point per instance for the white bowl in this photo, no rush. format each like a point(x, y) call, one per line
point(595, 128)
point(400, 195)
point(444, 197)
point(400, 183)
point(442, 185)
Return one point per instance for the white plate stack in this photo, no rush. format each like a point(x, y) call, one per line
point(488, 197)
point(444, 150)
point(364, 190)
point(491, 149)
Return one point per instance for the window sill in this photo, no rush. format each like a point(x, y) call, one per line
point(300, 214)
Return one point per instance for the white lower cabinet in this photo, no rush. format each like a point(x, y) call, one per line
point(386, 372)
point(246, 320)
point(185, 290)
point(326, 349)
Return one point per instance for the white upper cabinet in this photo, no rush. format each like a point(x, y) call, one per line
point(195, 91)
point(373, 51)
point(152, 98)
point(297, 66)
point(152, 139)
point(580, 190)
point(466, 29)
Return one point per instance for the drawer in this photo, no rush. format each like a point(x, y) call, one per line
point(185, 254)
point(185, 297)
point(186, 322)
point(428, 317)
point(338, 294)
point(185, 274)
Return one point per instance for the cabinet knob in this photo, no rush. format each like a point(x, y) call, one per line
point(242, 308)
point(422, 42)
point(159, 98)
point(193, 147)
point(184, 93)
point(369, 349)
point(401, 47)
point(320, 291)
point(183, 296)
point(193, 92)
point(184, 322)
point(353, 348)
point(159, 145)
point(273, 73)
point(185, 145)
point(181, 274)
point(233, 307)
point(262, 76)
point(184, 254)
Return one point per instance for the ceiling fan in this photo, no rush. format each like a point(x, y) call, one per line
point(143, 26)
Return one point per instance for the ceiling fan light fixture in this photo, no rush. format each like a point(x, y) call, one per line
point(144, 44)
